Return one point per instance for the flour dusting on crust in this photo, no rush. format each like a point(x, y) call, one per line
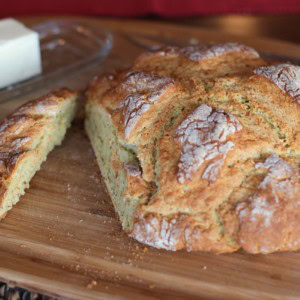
point(132, 169)
point(20, 141)
point(144, 90)
point(198, 53)
point(268, 219)
point(134, 107)
point(281, 178)
point(280, 181)
point(203, 136)
point(202, 52)
point(285, 76)
point(157, 233)
point(142, 82)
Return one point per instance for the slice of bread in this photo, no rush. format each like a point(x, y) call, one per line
point(199, 149)
point(26, 137)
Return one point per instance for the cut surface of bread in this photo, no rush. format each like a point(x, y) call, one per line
point(26, 137)
point(199, 149)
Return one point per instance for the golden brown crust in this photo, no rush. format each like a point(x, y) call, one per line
point(269, 220)
point(43, 105)
point(285, 76)
point(178, 231)
point(216, 117)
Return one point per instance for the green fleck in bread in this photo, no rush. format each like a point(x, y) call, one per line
point(26, 137)
point(199, 149)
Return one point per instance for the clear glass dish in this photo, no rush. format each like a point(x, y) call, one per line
point(66, 47)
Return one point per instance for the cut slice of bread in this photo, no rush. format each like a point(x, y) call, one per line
point(194, 144)
point(26, 137)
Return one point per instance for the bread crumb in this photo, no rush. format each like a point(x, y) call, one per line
point(92, 284)
point(194, 41)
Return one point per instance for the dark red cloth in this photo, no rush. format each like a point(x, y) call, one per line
point(166, 8)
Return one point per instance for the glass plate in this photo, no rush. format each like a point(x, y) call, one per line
point(66, 47)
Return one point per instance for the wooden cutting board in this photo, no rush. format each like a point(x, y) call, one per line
point(63, 238)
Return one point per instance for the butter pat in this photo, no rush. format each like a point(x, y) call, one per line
point(20, 56)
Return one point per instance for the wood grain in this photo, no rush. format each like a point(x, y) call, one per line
point(64, 239)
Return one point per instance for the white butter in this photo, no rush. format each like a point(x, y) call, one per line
point(20, 56)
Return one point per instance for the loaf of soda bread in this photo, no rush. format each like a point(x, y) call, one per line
point(199, 148)
point(26, 137)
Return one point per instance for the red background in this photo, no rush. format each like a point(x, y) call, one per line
point(166, 8)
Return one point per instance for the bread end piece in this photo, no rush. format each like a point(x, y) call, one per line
point(27, 136)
